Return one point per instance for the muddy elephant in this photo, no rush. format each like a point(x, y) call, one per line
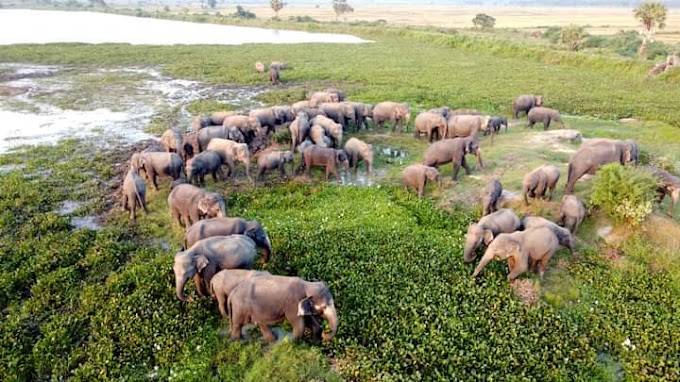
point(563, 235)
point(299, 130)
point(496, 122)
point(268, 117)
point(249, 126)
point(443, 111)
point(134, 193)
point(492, 192)
point(416, 176)
point(526, 102)
point(267, 300)
point(206, 257)
point(328, 158)
point(230, 152)
point(189, 204)
point(317, 98)
point(668, 184)
point(522, 250)
point(171, 140)
point(298, 106)
point(274, 75)
point(357, 151)
point(207, 162)
point(273, 160)
point(539, 181)
point(340, 112)
point(394, 112)
point(230, 226)
point(333, 129)
point(362, 112)
point(466, 125)
point(199, 122)
point(224, 282)
point(453, 151)
point(218, 117)
point(543, 115)
point(319, 136)
point(342, 96)
point(595, 153)
point(431, 124)
point(156, 164)
point(572, 213)
point(189, 146)
point(502, 221)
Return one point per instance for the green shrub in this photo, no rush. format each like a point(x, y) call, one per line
point(242, 13)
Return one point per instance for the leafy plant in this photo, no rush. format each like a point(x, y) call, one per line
point(340, 7)
point(277, 6)
point(242, 13)
point(572, 37)
point(483, 21)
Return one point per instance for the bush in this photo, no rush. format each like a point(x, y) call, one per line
point(624, 193)
point(552, 34)
point(242, 13)
point(572, 37)
point(303, 19)
point(483, 21)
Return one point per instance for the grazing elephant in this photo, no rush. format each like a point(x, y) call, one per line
point(563, 235)
point(273, 160)
point(199, 122)
point(299, 130)
point(537, 182)
point(453, 150)
point(333, 129)
point(521, 249)
point(224, 282)
point(157, 164)
point(543, 115)
point(230, 226)
point(492, 192)
point(466, 125)
point(572, 213)
point(443, 111)
point(417, 175)
point(217, 118)
point(394, 112)
point(317, 98)
point(285, 113)
point(274, 75)
point(342, 113)
point(496, 122)
point(134, 193)
point(207, 257)
point(189, 203)
point(298, 106)
point(249, 126)
point(171, 140)
point(230, 152)
point(669, 184)
point(207, 162)
point(358, 150)
point(342, 96)
point(464, 112)
point(259, 67)
point(312, 112)
point(324, 157)
point(319, 136)
point(502, 221)
point(525, 103)
point(206, 134)
point(278, 65)
point(266, 300)
point(430, 123)
point(269, 117)
point(595, 153)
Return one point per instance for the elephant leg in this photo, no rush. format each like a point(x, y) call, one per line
point(200, 288)
point(543, 263)
point(298, 324)
point(421, 189)
point(125, 206)
point(465, 166)
point(518, 267)
point(337, 174)
point(456, 167)
point(153, 180)
point(222, 303)
point(237, 319)
point(267, 332)
point(193, 217)
point(282, 171)
point(328, 171)
point(133, 211)
point(546, 124)
point(314, 327)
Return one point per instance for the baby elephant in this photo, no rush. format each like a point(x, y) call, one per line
point(273, 160)
point(417, 175)
point(453, 151)
point(189, 204)
point(669, 184)
point(538, 181)
point(572, 213)
point(274, 75)
point(544, 115)
point(495, 124)
point(207, 162)
point(134, 193)
point(358, 150)
point(492, 192)
point(502, 221)
point(225, 281)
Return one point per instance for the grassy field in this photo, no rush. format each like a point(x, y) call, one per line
point(100, 305)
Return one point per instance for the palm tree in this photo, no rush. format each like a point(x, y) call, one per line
point(651, 14)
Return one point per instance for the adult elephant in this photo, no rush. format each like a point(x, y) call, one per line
point(268, 117)
point(285, 112)
point(156, 164)
point(431, 124)
point(394, 112)
point(362, 112)
point(267, 300)
point(357, 151)
point(453, 151)
point(416, 176)
point(217, 117)
point(207, 257)
point(230, 226)
point(595, 153)
point(543, 115)
point(340, 112)
point(466, 125)
point(443, 111)
point(502, 221)
point(333, 129)
point(230, 152)
point(324, 157)
point(225, 281)
point(319, 136)
point(298, 106)
point(342, 96)
point(299, 130)
point(190, 203)
point(525, 102)
point(317, 98)
point(171, 140)
point(249, 126)
point(207, 162)
point(540, 180)
point(199, 122)
point(206, 134)
point(563, 235)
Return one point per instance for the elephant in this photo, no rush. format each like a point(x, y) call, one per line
point(466, 125)
point(358, 150)
point(668, 184)
point(319, 136)
point(544, 115)
point(189, 146)
point(431, 124)
point(199, 122)
point(285, 112)
point(394, 112)
point(134, 193)
point(189, 203)
point(312, 112)
point(563, 235)
point(572, 213)
point(342, 96)
point(537, 182)
point(324, 157)
point(333, 129)
point(230, 152)
point(207, 162)
point(525, 102)
point(273, 160)
point(172, 141)
point(492, 192)
point(496, 122)
point(443, 111)
point(278, 65)
point(299, 130)
point(298, 106)
point(230, 226)
point(595, 153)
point(249, 126)
point(224, 282)
point(274, 75)
point(317, 98)
point(268, 117)
point(362, 112)
point(206, 134)
point(157, 164)
point(342, 113)
point(206, 257)
point(259, 67)
point(464, 112)
point(266, 300)
point(218, 117)
point(502, 221)
point(154, 149)
point(453, 150)
point(521, 249)
point(417, 175)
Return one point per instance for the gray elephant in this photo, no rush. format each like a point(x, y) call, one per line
point(207, 162)
point(443, 111)
point(225, 281)
point(217, 117)
point(466, 125)
point(324, 157)
point(595, 153)
point(298, 106)
point(134, 193)
point(274, 75)
point(319, 136)
point(342, 113)
point(543, 115)
point(267, 300)
point(492, 192)
point(285, 112)
point(189, 203)
point(189, 146)
point(312, 112)
point(317, 98)
point(333, 129)
point(171, 140)
point(357, 151)
point(156, 164)
point(299, 130)
point(522, 250)
point(502, 221)
point(540, 180)
point(453, 151)
point(572, 213)
point(206, 134)
point(154, 149)
point(394, 112)
point(199, 122)
point(269, 117)
point(430, 123)
point(230, 226)
point(496, 122)
point(206, 257)
point(464, 112)
point(340, 94)
point(362, 112)
point(526, 102)
point(273, 160)
point(230, 152)
point(668, 184)
point(563, 235)
point(249, 126)
point(416, 176)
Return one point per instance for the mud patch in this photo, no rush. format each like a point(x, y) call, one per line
point(526, 290)
point(556, 140)
point(11, 91)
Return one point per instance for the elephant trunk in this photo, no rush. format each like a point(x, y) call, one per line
point(479, 158)
point(485, 260)
point(467, 253)
point(331, 316)
point(267, 250)
point(180, 283)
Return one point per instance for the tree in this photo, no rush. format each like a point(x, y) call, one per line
point(212, 3)
point(573, 36)
point(483, 21)
point(652, 15)
point(277, 5)
point(341, 7)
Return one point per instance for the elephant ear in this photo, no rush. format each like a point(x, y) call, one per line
point(201, 262)
point(488, 236)
point(251, 233)
point(203, 205)
point(305, 307)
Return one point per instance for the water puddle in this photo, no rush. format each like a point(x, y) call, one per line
point(68, 207)
point(85, 222)
point(392, 153)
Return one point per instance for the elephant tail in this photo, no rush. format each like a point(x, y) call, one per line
point(570, 173)
point(140, 199)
